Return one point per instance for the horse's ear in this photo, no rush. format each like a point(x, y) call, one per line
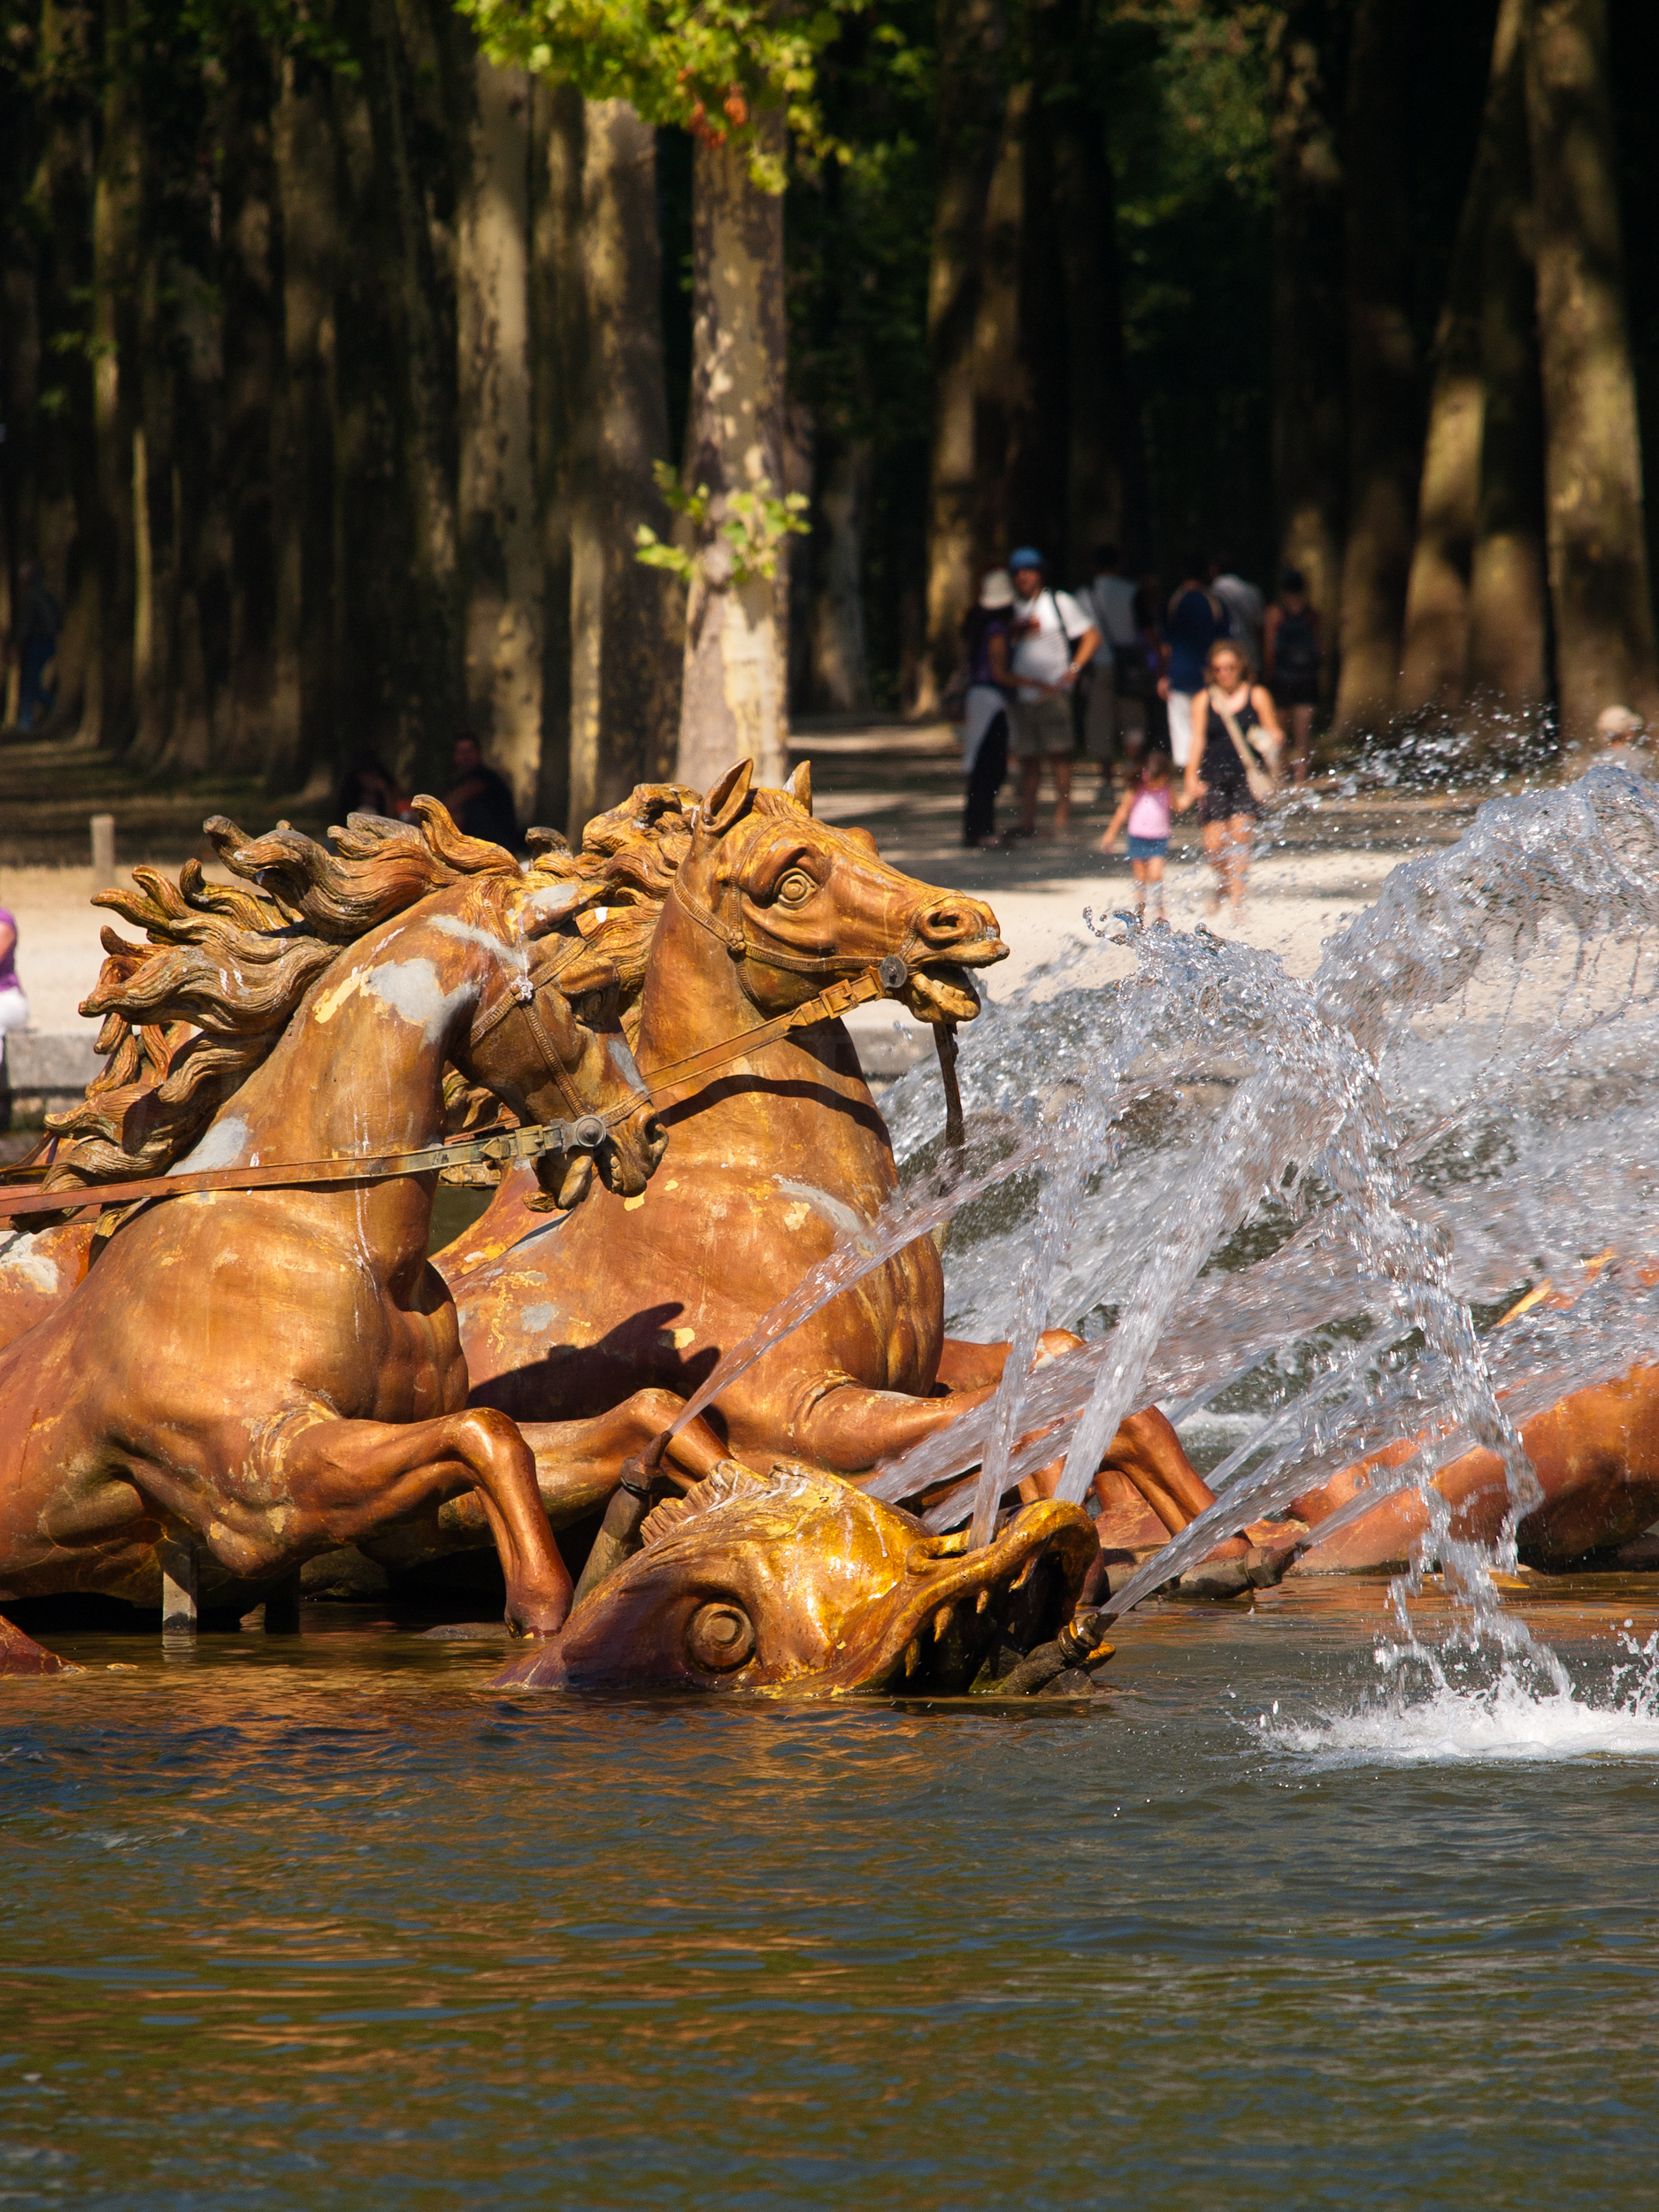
point(728, 802)
point(800, 786)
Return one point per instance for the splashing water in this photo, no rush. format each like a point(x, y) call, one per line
point(1304, 1203)
point(1434, 1720)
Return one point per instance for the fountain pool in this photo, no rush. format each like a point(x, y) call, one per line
point(331, 1924)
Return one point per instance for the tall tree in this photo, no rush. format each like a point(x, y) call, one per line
point(736, 676)
point(1099, 413)
point(400, 59)
point(1385, 412)
point(63, 459)
point(250, 279)
point(970, 116)
point(501, 558)
point(117, 276)
point(735, 78)
point(1435, 646)
point(1508, 611)
point(1309, 69)
point(625, 618)
point(1598, 563)
point(307, 168)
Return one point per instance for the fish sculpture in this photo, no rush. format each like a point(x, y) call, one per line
point(796, 1583)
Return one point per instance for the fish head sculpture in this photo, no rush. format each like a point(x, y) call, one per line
point(795, 1583)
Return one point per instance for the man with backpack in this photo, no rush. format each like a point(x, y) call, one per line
point(1054, 642)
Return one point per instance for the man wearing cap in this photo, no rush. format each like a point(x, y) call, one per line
point(1054, 642)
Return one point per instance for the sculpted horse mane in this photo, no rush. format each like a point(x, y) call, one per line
point(191, 1014)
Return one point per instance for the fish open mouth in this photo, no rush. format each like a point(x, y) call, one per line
point(942, 991)
point(958, 1614)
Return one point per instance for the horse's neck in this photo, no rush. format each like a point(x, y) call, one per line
point(360, 1066)
point(796, 1115)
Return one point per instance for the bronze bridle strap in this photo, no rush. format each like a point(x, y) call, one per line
point(505, 1146)
point(585, 1134)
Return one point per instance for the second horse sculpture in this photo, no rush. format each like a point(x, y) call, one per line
point(246, 1378)
point(724, 915)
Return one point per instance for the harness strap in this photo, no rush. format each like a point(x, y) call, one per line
point(583, 1134)
point(742, 947)
point(505, 1145)
point(830, 1004)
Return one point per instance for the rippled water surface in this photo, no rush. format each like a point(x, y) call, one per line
point(327, 1922)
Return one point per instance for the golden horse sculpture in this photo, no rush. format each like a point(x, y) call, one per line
point(244, 1379)
point(721, 915)
point(1596, 1455)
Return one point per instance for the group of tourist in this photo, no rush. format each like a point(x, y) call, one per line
point(1212, 682)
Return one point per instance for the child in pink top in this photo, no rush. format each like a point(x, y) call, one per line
point(1145, 808)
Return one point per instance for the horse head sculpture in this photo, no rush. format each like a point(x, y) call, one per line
point(797, 903)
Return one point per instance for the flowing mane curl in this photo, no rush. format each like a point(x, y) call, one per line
point(188, 1015)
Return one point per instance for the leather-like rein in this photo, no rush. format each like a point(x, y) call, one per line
point(585, 1134)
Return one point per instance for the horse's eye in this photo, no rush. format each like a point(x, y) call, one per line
point(794, 886)
point(719, 1637)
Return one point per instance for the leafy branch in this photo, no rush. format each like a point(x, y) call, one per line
point(753, 526)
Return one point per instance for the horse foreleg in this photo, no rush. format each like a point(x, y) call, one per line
point(964, 1365)
point(578, 1462)
point(346, 1478)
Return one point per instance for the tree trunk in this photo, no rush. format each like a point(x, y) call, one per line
point(118, 216)
point(627, 635)
point(555, 297)
point(1598, 563)
point(430, 697)
point(1000, 392)
point(156, 522)
point(501, 557)
point(736, 630)
point(1100, 413)
point(1436, 644)
point(305, 707)
point(970, 115)
point(1308, 68)
point(66, 500)
point(1384, 410)
point(841, 667)
point(1508, 613)
point(251, 257)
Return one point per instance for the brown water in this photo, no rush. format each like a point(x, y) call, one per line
point(328, 1923)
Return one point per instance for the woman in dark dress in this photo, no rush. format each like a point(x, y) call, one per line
point(986, 632)
point(1218, 775)
point(1291, 654)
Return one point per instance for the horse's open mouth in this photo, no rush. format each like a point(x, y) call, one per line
point(941, 992)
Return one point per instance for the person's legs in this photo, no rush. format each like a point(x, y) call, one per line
point(1060, 765)
point(1180, 726)
point(1237, 849)
point(1138, 869)
point(1214, 843)
point(1301, 740)
point(985, 781)
point(1154, 880)
point(1029, 779)
point(1024, 748)
point(1131, 730)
